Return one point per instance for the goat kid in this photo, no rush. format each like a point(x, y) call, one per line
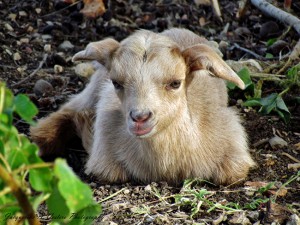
point(156, 109)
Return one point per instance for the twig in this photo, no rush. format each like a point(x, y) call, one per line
point(260, 142)
point(294, 166)
point(112, 195)
point(216, 8)
point(268, 76)
point(291, 157)
point(248, 51)
point(33, 73)
point(279, 14)
point(20, 196)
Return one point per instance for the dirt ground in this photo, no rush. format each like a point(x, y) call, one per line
point(34, 61)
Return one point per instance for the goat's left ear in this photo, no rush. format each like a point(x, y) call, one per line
point(202, 57)
point(100, 51)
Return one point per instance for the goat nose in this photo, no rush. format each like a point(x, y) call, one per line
point(138, 116)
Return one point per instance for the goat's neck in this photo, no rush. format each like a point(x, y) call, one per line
point(180, 133)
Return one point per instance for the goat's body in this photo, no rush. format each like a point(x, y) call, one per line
point(187, 154)
point(205, 139)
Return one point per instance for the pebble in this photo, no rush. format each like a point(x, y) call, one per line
point(293, 220)
point(42, 87)
point(46, 37)
point(16, 56)
point(84, 69)
point(23, 13)
point(148, 188)
point(240, 218)
point(47, 48)
point(278, 46)
point(277, 142)
point(58, 69)
point(8, 27)
point(24, 40)
point(126, 191)
point(66, 45)
point(38, 10)
point(12, 16)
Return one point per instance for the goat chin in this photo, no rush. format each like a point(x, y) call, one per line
point(153, 112)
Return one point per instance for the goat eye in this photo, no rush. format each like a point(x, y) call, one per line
point(117, 85)
point(174, 84)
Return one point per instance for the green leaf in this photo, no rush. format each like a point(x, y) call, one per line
point(25, 108)
point(86, 216)
point(276, 103)
point(269, 56)
point(40, 179)
point(39, 199)
point(271, 41)
point(252, 102)
point(57, 206)
point(268, 103)
point(77, 194)
point(244, 74)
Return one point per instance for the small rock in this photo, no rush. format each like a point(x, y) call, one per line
point(126, 191)
point(293, 220)
point(277, 142)
point(269, 29)
point(12, 16)
point(42, 88)
point(250, 64)
point(253, 215)
point(278, 46)
point(24, 40)
point(240, 218)
point(38, 10)
point(66, 45)
point(46, 37)
point(8, 27)
point(16, 56)
point(148, 188)
point(93, 185)
point(84, 69)
point(23, 13)
point(47, 48)
point(58, 69)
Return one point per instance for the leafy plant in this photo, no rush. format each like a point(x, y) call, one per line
point(26, 181)
point(271, 103)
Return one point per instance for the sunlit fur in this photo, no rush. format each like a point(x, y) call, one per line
point(194, 133)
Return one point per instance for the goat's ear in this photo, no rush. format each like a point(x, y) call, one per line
point(100, 51)
point(202, 57)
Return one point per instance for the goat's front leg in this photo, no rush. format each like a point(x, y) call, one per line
point(75, 118)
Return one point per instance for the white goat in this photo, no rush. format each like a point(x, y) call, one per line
point(156, 110)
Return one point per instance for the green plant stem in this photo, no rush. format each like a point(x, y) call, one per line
point(20, 196)
point(33, 166)
point(111, 196)
point(5, 162)
point(2, 95)
point(284, 91)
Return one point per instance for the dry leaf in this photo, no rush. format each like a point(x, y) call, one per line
point(93, 8)
point(256, 184)
point(281, 192)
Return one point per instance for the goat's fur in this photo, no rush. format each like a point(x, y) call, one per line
point(192, 131)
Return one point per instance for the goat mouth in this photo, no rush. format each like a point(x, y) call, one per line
point(139, 130)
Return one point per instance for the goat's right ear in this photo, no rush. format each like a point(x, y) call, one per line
point(100, 51)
